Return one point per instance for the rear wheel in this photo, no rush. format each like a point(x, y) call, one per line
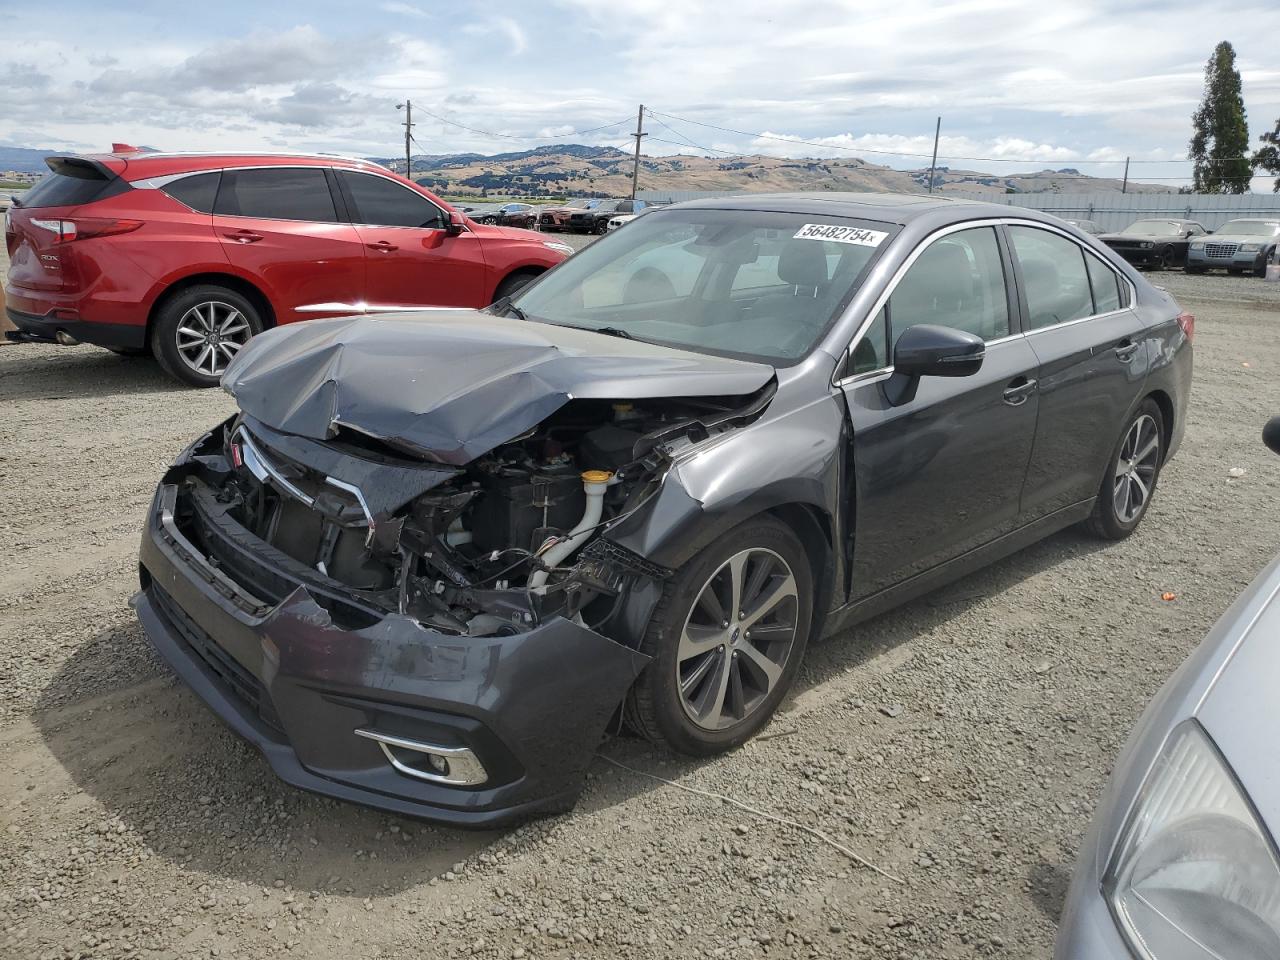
point(727, 639)
point(198, 332)
point(1132, 472)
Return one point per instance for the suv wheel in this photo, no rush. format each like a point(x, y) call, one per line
point(199, 331)
point(727, 639)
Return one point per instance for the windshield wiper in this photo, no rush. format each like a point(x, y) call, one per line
point(611, 332)
point(505, 307)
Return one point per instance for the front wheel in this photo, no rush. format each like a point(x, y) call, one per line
point(1168, 259)
point(726, 638)
point(602, 227)
point(1132, 472)
point(198, 332)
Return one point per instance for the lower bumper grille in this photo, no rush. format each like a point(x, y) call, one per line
point(235, 677)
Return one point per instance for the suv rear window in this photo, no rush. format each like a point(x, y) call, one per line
point(71, 182)
point(277, 193)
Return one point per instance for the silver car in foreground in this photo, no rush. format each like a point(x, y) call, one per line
point(1181, 861)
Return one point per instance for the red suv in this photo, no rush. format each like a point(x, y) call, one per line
point(187, 256)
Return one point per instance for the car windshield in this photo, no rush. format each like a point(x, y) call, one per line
point(1249, 228)
point(735, 283)
point(581, 204)
point(1153, 228)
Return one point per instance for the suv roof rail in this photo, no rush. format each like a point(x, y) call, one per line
point(317, 155)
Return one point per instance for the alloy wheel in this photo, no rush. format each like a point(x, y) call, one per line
point(1136, 468)
point(737, 638)
point(210, 334)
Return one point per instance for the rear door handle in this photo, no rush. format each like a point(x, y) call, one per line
point(243, 236)
point(383, 246)
point(1125, 351)
point(1017, 392)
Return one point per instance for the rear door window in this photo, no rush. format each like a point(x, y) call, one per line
point(197, 192)
point(379, 202)
point(1054, 275)
point(277, 193)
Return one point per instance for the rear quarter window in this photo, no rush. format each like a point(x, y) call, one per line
point(197, 192)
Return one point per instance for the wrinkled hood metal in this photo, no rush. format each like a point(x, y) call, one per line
point(450, 385)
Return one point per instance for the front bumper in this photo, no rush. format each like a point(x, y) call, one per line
point(1235, 260)
point(35, 328)
point(1141, 257)
point(296, 683)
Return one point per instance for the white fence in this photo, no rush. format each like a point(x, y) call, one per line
point(1111, 211)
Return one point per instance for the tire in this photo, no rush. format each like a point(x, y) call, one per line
point(491, 221)
point(511, 284)
point(181, 318)
point(1168, 259)
point(723, 670)
point(601, 228)
point(1115, 513)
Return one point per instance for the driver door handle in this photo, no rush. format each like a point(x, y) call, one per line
point(1016, 393)
point(383, 246)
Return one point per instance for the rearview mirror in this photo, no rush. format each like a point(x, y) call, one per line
point(455, 224)
point(927, 350)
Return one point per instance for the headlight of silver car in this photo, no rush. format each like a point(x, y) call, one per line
point(558, 247)
point(1195, 876)
point(1197, 244)
point(1250, 247)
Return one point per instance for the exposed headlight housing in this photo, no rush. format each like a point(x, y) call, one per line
point(1250, 247)
point(558, 247)
point(1147, 244)
point(1195, 875)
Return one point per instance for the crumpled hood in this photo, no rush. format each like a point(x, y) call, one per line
point(450, 385)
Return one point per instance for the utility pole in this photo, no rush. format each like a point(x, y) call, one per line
point(1124, 187)
point(635, 169)
point(407, 106)
point(937, 131)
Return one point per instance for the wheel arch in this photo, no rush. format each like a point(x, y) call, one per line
point(1165, 403)
point(529, 270)
point(240, 285)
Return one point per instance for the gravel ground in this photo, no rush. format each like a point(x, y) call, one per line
point(958, 743)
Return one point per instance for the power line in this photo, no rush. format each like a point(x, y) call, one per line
point(512, 136)
point(890, 153)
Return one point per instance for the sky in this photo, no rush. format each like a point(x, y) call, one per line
point(1029, 85)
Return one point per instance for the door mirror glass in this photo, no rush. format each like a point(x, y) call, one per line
point(926, 350)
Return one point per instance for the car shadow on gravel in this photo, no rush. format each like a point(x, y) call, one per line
point(159, 762)
point(37, 372)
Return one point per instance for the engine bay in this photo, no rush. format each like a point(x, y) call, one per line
point(487, 548)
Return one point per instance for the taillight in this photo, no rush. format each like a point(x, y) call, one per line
point(82, 228)
point(1187, 322)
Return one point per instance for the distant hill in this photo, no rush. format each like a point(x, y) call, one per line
point(578, 170)
point(25, 160)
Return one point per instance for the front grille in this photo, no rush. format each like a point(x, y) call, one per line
point(234, 677)
point(1221, 249)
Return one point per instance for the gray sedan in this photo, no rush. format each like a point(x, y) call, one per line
point(1181, 861)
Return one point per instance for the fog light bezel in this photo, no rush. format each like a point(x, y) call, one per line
point(462, 768)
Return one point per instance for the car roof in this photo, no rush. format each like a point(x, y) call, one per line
point(899, 208)
point(137, 165)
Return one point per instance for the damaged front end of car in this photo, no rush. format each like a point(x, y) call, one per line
point(443, 633)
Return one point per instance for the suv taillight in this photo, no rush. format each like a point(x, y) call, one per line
point(1187, 322)
point(82, 228)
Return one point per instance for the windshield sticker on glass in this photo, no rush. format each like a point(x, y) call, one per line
point(838, 234)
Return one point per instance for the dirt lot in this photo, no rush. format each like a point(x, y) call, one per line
point(959, 743)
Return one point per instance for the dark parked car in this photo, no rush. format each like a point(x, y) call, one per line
point(433, 556)
point(596, 219)
point(557, 218)
point(511, 215)
point(1181, 859)
point(1155, 243)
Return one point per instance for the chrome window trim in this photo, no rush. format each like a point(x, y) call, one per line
point(938, 234)
point(393, 226)
point(156, 183)
point(297, 154)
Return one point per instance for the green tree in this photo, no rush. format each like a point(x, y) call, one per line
point(1268, 156)
point(1220, 138)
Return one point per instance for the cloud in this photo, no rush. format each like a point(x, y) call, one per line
point(516, 43)
point(401, 9)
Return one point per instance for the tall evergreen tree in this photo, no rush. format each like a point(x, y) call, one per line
point(1220, 138)
point(1268, 155)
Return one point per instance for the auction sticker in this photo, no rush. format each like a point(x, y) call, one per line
point(839, 234)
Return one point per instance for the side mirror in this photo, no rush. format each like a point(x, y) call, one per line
point(931, 351)
point(1271, 434)
point(455, 224)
